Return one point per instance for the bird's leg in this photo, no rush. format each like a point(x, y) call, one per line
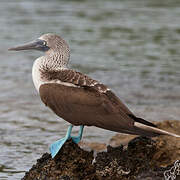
point(77, 139)
point(56, 146)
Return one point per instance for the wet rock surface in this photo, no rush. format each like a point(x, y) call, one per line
point(142, 158)
point(71, 162)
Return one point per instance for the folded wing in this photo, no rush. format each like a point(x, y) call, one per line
point(88, 102)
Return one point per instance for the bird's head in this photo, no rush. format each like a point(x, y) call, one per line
point(47, 43)
point(53, 45)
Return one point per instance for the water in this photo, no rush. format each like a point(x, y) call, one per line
point(131, 46)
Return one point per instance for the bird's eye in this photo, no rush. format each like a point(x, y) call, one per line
point(44, 43)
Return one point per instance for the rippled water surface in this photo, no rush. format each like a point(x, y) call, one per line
point(132, 46)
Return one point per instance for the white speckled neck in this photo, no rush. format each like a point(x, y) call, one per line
point(56, 58)
point(42, 64)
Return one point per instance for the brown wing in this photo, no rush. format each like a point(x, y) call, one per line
point(83, 81)
point(81, 106)
point(90, 103)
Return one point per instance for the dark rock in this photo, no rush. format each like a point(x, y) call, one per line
point(71, 163)
point(142, 159)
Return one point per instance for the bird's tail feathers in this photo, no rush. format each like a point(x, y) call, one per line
point(145, 130)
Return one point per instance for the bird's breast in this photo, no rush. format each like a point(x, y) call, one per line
point(40, 75)
point(36, 74)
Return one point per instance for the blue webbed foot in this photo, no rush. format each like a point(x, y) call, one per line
point(56, 146)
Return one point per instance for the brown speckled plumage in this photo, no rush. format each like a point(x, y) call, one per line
point(73, 77)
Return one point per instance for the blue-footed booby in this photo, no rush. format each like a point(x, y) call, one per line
point(77, 98)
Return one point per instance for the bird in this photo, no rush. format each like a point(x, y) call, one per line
point(77, 98)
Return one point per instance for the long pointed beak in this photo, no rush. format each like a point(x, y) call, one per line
point(28, 46)
point(36, 45)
